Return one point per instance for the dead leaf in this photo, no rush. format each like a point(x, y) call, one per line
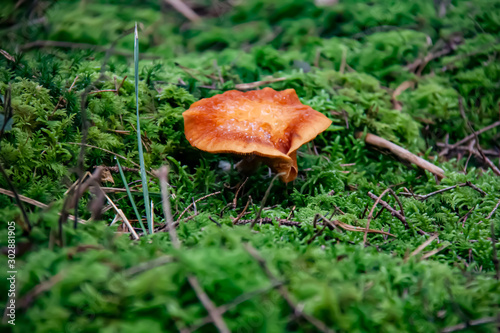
point(106, 176)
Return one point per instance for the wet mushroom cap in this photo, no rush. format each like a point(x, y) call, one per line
point(268, 123)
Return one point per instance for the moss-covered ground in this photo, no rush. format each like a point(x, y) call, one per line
point(422, 74)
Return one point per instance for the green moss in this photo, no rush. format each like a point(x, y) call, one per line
point(345, 61)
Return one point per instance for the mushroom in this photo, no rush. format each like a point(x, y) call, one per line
point(267, 126)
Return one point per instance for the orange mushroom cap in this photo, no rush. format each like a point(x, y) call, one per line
point(268, 123)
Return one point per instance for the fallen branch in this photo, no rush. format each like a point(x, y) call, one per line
point(235, 200)
point(478, 146)
point(402, 153)
point(7, 55)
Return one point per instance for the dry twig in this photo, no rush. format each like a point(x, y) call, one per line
point(209, 305)
point(433, 252)
point(235, 200)
point(496, 263)
point(162, 175)
point(284, 292)
point(30, 296)
point(427, 196)
point(490, 215)
point(370, 215)
point(123, 217)
point(422, 246)
point(224, 308)
point(402, 153)
point(193, 203)
point(240, 215)
point(34, 202)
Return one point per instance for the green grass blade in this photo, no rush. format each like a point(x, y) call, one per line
point(131, 198)
point(144, 178)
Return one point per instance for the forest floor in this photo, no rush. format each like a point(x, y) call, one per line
point(364, 240)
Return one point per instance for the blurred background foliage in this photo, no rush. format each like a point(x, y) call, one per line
point(396, 69)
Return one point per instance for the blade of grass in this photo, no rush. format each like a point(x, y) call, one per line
point(144, 178)
point(131, 198)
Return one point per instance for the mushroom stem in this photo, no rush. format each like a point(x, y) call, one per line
point(249, 164)
point(287, 169)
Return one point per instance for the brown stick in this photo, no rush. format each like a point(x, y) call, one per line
point(402, 153)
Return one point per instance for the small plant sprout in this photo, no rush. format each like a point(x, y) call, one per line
point(144, 178)
point(131, 198)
